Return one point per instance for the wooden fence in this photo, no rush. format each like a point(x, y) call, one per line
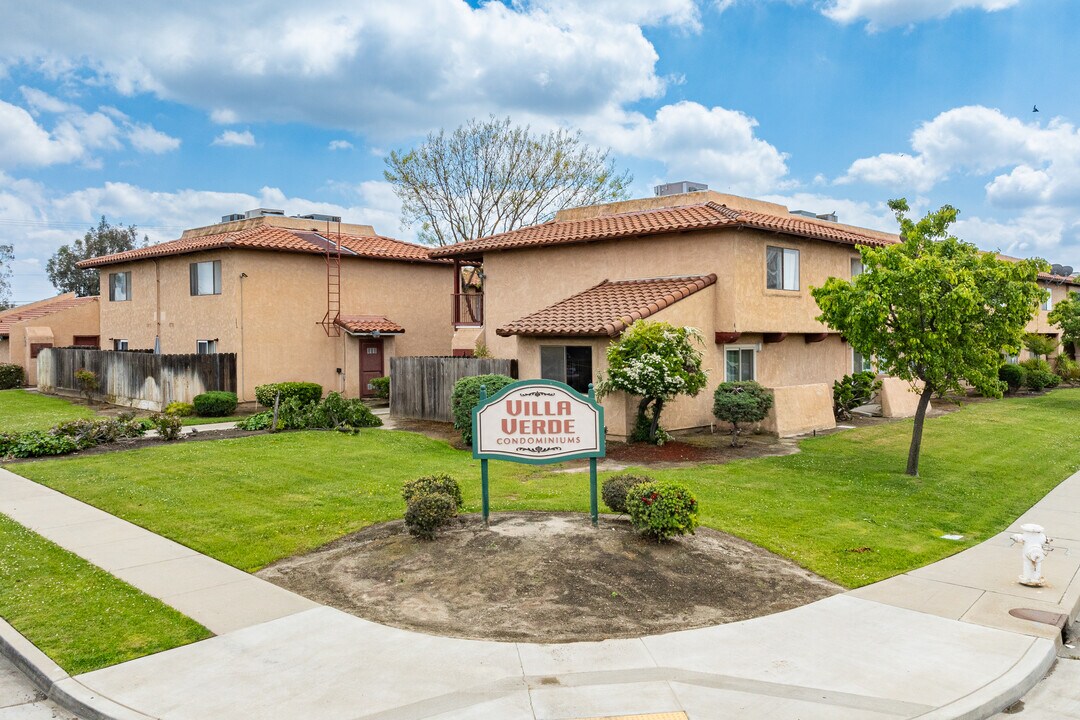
point(137, 379)
point(420, 387)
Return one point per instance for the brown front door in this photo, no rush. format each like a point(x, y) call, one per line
point(371, 364)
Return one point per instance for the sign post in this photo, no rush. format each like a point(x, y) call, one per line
point(538, 422)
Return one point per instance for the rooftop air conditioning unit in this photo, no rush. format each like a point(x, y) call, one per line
point(321, 218)
point(830, 216)
point(678, 188)
point(232, 218)
point(261, 212)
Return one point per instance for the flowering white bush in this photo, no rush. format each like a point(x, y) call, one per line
point(657, 362)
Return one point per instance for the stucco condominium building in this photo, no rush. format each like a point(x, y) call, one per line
point(306, 299)
point(555, 295)
point(62, 321)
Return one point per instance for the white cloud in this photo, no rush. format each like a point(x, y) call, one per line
point(1043, 160)
point(713, 145)
point(145, 138)
point(879, 14)
point(74, 137)
point(232, 138)
point(223, 116)
point(38, 221)
point(340, 145)
point(390, 69)
point(41, 101)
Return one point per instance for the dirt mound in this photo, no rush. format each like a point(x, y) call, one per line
point(547, 577)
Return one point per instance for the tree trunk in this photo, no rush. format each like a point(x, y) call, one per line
point(658, 405)
point(916, 432)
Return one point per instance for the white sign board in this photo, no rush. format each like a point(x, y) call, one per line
point(538, 421)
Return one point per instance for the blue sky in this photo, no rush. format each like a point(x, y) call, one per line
point(168, 115)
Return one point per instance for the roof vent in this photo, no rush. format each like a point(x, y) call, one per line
point(261, 212)
point(830, 216)
point(320, 218)
point(232, 218)
point(678, 188)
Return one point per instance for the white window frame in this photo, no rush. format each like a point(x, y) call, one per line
point(205, 347)
point(127, 286)
point(755, 348)
point(1048, 303)
point(857, 262)
point(119, 344)
point(786, 254)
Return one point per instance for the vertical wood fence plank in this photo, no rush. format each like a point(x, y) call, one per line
point(420, 387)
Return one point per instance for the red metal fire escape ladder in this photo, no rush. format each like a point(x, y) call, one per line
point(333, 286)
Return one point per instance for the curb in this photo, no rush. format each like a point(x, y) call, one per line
point(1003, 691)
point(56, 684)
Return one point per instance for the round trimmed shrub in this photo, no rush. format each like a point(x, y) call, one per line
point(1039, 376)
point(430, 484)
point(1012, 375)
point(216, 403)
point(180, 409)
point(306, 392)
point(616, 487)
point(11, 376)
point(168, 426)
point(465, 396)
point(428, 512)
point(741, 403)
point(662, 509)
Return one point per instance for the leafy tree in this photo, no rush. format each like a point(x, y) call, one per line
point(490, 177)
point(101, 240)
point(934, 310)
point(1066, 315)
point(7, 257)
point(657, 362)
point(1040, 345)
point(741, 402)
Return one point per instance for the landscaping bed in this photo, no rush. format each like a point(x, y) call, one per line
point(547, 577)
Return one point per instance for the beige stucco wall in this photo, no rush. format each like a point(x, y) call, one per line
point(897, 398)
point(799, 409)
point(5, 350)
point(270, 317)
point(1040, 323)
point(58, 328)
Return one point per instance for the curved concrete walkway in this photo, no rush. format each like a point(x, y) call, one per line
point(935, 643)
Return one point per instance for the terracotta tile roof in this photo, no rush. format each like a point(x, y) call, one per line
point(703, 216)
point(40, 309)
point(608, 308)
point(267, 237)
point(368, 323)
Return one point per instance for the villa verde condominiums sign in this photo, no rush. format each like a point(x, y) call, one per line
point(538, 421)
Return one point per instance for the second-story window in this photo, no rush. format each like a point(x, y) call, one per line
point(119, 286)
point(856, 267)
point(205, 278)
point(1048, 303)
point(781, 268)
point(205, 347)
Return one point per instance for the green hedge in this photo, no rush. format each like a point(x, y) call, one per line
point(382, 387)
point(305, 392)
point(216, 403)
point(11, 376)
point(465, 396)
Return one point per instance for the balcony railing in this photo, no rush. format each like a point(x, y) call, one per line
point(468, 309)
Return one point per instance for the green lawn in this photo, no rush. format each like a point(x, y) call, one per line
point(21, 410)
point(254, 500)
point(79, 615)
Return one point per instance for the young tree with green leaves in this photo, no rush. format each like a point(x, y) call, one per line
point(101, 240)
point(934, 310)
point(657, 362)
point(1066, 315)
point(488, 177)
point(1040, 345)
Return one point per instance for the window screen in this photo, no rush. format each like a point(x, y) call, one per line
point(739, 365)
point(205, 278)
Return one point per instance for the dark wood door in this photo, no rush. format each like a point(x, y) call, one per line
point(371, 364)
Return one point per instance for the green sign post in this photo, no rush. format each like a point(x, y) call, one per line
point(538, 422)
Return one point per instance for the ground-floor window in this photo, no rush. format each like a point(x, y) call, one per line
point(860, 362)
point(1012, 359)
point(739, 363)
point(571, 364)
point(118, 344)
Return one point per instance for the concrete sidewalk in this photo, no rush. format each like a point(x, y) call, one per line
point(935, 643)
